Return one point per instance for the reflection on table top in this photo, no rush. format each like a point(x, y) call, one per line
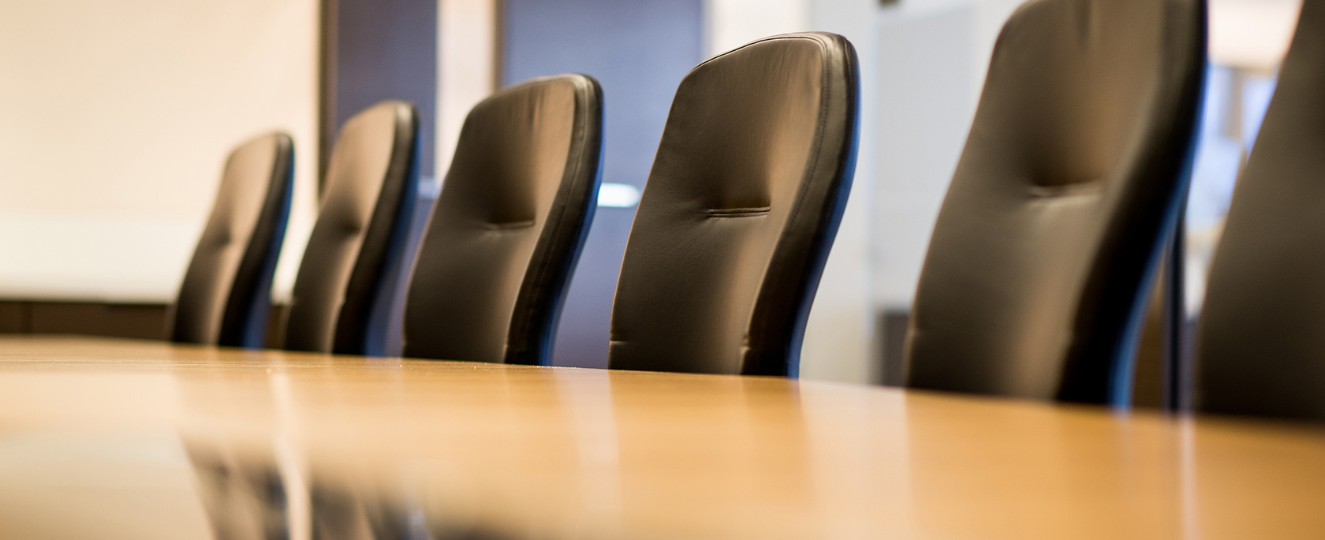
point(122, 439)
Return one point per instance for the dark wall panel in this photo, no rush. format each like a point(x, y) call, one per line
point(13, 317)
point(639, 50)
point(376, 50)
point(138, 321)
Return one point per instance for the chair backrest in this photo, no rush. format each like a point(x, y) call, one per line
point(343, 292)
point(508, 225)
point(1072, 175)
point(740, 210)
point(226, 293)
point(1261, 348)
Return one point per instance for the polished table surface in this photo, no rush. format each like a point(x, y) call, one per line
point(124, 439)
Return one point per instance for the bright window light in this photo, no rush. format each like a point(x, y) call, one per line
point(613, 195)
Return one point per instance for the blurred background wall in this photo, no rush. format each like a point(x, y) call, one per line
point(115, 119)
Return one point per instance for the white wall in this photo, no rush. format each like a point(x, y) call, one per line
point(115, 119)
point(1252, 34)
point(932, 58)
point(732, 23)
point(466, 67)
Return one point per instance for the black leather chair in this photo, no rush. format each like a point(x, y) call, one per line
point(344, 291)
point(1261, 347)
point(508, 225)
point(1073, 173)
point(226, 293)
point(740, 210)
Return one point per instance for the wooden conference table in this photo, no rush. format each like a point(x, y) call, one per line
point(122, 439)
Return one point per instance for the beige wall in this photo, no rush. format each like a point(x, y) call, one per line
point(466, 70)
point(115, 118)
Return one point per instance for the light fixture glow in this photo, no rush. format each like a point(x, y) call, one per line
point(613, 195)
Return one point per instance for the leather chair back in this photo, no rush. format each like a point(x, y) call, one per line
point(343, 293)
point(508, 226)
point(1072, 175)
point(1261, 349)
point(740, 210)
point(226, 294)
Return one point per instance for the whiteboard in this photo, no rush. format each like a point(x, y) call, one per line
point(115, 120)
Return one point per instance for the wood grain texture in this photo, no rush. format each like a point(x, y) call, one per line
point(149, 440)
